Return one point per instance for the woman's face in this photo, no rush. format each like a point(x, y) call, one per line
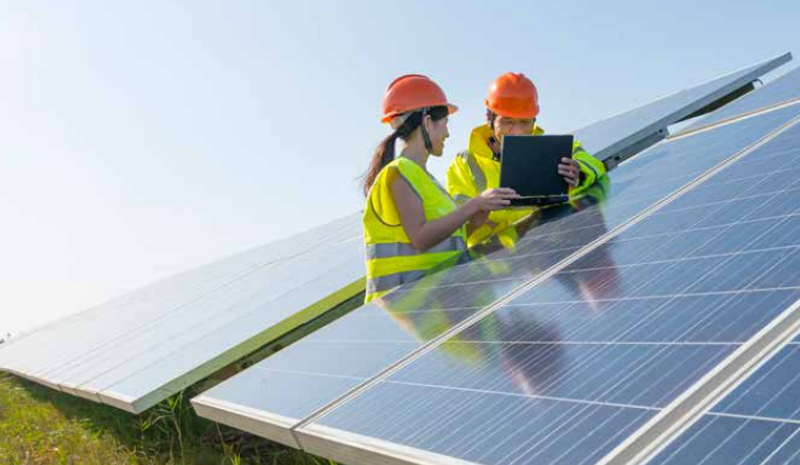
point(437, 130)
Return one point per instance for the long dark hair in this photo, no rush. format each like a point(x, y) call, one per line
point(384, 153)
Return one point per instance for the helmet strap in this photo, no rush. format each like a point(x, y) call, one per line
point(426, 138)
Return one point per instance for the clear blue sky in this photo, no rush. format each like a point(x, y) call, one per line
point(139, 139)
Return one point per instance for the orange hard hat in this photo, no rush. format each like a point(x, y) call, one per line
point(413, 92)
point(513, 95)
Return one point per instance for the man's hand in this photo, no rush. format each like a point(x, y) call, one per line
point(570, 170)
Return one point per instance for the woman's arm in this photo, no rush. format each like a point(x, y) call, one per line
point(424, 235)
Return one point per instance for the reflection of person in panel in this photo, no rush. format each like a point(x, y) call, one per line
point(599, 283)
point(411, 224)
point(531, 367)
point(600, 280)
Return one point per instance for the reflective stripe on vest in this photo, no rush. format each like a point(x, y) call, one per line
point(384, 283)
point(477, 172)
point(400, 249)
point(391, 259)
point(587, 166)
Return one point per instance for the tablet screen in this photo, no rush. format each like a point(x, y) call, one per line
point(529, 164)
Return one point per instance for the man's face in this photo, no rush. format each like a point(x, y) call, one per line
point(512, 126)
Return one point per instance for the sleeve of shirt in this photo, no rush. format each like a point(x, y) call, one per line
point(460, 182)
point(592, 195)
point(591, 168)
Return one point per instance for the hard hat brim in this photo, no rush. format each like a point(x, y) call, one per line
point(388, 118)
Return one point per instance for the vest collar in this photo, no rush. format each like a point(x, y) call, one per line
point(479, 140)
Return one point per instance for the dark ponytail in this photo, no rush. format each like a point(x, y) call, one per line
point(384, 153)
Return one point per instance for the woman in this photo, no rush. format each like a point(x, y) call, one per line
point(411, 224)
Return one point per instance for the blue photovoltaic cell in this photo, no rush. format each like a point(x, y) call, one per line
point(772, 392)
point(785, 88)
point(565, 371)
point(758, 423)
point(359, 345)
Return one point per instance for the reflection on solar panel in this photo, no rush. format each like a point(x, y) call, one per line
point(568, 369)
point(143, 347)
point(784, 89)
point(619, 137)
point(377, 346)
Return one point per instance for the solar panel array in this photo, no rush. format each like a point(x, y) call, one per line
point(597, 325)
point(781, 91)
point(143, 347)
point(149, 344)
point(564, 378)
point(616, 138)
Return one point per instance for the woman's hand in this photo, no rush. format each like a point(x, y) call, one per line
point(479, 219)
point(491, 200)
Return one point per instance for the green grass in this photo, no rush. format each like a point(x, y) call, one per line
point(42, 426)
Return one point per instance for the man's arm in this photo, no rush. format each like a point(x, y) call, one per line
point(592, 169)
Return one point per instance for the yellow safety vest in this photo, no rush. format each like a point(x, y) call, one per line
point(475, 170)
point(391, 259)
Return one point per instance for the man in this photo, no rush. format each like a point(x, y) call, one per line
point(511, 108)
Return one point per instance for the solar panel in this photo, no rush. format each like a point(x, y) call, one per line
point(621, 136)
point(373, 339)
point(571, 367)
point(784, 89)
point(758, 423)
point(143, 347)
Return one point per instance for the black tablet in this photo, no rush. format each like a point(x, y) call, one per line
point(529, 165)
